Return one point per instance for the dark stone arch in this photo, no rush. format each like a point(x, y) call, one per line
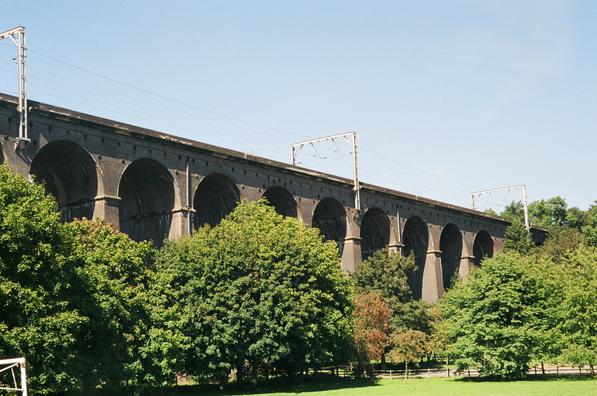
point(375, 232)
point(214, 199)
point(330, 218)
point(146, 193)
point(69, 173)
point(451, 246)
point(482, 247)
point(415, 239)
point(282, 200)
point(1, 153)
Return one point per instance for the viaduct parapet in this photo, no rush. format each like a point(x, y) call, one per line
point(154, 186)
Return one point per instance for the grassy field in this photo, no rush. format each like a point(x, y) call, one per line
point(562, 386)
point(430, 387)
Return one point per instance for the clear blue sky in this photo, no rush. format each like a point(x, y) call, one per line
point(447, 96)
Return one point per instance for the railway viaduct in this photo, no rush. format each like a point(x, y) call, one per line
point(154, 186)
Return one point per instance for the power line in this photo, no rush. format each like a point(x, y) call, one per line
point(377, 158)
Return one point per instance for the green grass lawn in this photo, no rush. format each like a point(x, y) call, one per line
point(430, 387)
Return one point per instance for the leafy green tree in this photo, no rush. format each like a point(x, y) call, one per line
point(38, 318)
point(575, 218)
point(113, 275)
point(589, 229)
point(258, 291)
point(551, 212)
point(577, 313)
point(560, 242)
point(386, 272)
point(514, 211)
point(518, 238)
point(408, 347)
point(495, 319)
point(491, 212)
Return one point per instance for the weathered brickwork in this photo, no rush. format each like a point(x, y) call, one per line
point(155, 186)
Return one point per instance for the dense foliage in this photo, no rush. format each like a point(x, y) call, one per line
point(261, 294)
point(38, 287)
point(520, 310)
point(554, 214)
point(71, 295)
point(255, 293)
point(113, 275)
point(382, 279)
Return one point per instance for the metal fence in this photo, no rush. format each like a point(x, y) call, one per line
point(450, 372)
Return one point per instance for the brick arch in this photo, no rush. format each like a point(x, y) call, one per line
point(415, 238)
point(483, 247)
point(148, 196)
point(375, 231)
point(215, 197)
point(329, 216)
point(70, 173)
point(282, 201)
point(451, 246)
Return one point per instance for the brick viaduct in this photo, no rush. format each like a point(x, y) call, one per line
point(154, 186)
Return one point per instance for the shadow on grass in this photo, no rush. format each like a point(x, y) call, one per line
point(305, 386)
point(538, 377)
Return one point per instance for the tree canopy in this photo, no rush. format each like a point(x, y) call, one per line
point(257, 292)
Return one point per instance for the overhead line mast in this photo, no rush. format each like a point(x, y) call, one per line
point(19, 41)
point(475, 195)
point(352, 136)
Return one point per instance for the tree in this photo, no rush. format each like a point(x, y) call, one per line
point(407, 347)
point(589, 230)
point(514, 211)
point(560, 242)
point(386, 272)
point(549, 212)
point(495, 321)
point(113, 275)
point(491, 212)
point(258, 291)
point(576, 218)
point(577, 313)
point(371, 327)
point(38, 317)
point(518, 238)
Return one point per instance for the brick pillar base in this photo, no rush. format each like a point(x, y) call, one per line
point(433, 280)
point(107, 209)
point(351, 255)
point(466, 265)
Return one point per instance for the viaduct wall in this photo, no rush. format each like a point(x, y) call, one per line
point(154, 186)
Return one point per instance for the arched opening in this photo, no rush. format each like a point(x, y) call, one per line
point(375, 232)
point(482, 247)
point(146, 192)
point(282, 201)
point(214, 199)
point(415, 238)
point(69, 173)
point(330, 218)
point(451, 246)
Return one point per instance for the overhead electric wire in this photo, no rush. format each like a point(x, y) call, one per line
point(447, 184)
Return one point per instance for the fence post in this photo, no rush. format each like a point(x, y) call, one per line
point(448, 371)
point(557, 369)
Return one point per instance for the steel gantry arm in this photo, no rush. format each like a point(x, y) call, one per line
point(475, 195)
point(352, 136)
